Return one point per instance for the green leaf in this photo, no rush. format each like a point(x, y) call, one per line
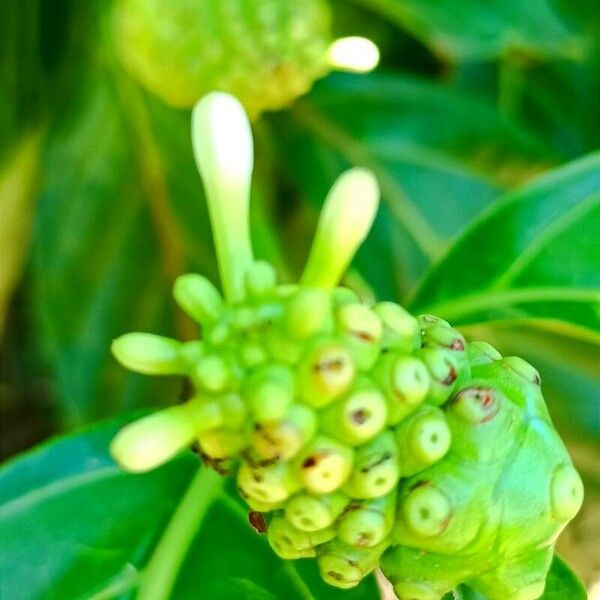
point(94, 247)
point(87, 524)
point(75, 526)
point(563, 583)
point(418, 138)
point(483, 30)
point(532, 255)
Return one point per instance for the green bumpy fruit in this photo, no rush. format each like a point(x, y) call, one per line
point(367, 437)
point(265, 52)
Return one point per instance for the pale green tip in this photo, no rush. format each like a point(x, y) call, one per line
point(148, 443)
point(355, 54)
point(149, 354)
point(223, 149)
point(345, 221)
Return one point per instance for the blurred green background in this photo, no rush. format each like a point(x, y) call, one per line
point(102, 207)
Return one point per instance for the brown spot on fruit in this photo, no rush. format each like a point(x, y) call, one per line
point(360, 416)
point(452, 375)
point(257, 521)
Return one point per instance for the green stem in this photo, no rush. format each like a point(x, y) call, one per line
point(159, 577)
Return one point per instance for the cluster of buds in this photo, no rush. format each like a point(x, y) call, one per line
point(360, 435)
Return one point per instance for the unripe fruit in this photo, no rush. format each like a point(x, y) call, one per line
point(376, 470)
point(423, 439)
point(406, 383)
point(366, 524)
point(367, 436)
point(324, 465)
point(325, 373)
point(311, 513)
point(357, 417)
point(427, 510)
point(265, 52)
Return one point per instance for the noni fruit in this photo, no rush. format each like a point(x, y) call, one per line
point(365, 436)
point(265, 52)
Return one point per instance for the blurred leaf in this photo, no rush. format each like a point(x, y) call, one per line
point(20, 70)
point(94, 531)
point(531, 255)
point(572, 132)
point(482, 30)
point(524, 277)
point(418, 138)
point(88, 524)
point(18, 187)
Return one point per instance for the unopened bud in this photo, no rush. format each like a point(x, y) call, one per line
point(149, 354)
point(198, 297)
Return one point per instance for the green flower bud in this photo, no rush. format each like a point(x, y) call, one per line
point(361, 330)
point(220, 334)
point(481, 353)
point(252, 354)
point(271, 483)
point(439, 335)
point(406, 382)
point(426, 321)
point(344, 295)
point(427, 510)
point(344, 566)
point(221, 444)
point(191, 353)
point(270, 392)
point(400, 329)
point(258, 505)
point(198, 297)
point(566, 493)
point(149, 354)
point(344, 222)
point(281, 346)
point(153, 440)
point(307, 313)
point(325, 465)
point(260, 280)
point(283, 439)
point(234, 410)
point(356, 418)
point(212, 373)
point(311, 513)
point(208, 414)
point(325, 373)
point(376, 468)
point(367, 524)
point(290, 542)
point(444, 370)
point(423, 439)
